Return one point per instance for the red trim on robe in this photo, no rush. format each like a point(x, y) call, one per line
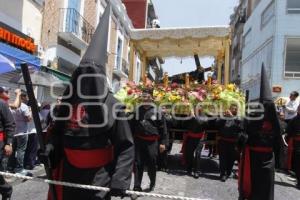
point(57, 175)
point(150, 138)
point(267, 126)
point(247, 184)
point(77, 115)
point(2, 136)
point(86, 159)
point(291, 150)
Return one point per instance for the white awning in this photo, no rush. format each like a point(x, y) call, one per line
point(181, 42)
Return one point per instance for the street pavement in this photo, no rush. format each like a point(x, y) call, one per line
point(176, 182)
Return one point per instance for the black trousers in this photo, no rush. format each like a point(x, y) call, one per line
point(227, 155)
point(146, 153)
point(5, 188)
point(262, 176)
point(31, 151)
point(162, 160)
point(192, 155)
point(95, 176)
point(211, 147)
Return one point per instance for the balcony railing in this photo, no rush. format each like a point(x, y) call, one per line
point(72, 22)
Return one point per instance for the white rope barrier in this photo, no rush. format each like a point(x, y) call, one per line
point(98, 188)
point(26, 133)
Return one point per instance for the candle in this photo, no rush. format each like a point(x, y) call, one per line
point(166, 80)
point(187, 81)
point(209, 79)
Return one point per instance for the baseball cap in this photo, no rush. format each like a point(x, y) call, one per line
point(3, 89)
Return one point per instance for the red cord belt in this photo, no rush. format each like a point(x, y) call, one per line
point(246, 173)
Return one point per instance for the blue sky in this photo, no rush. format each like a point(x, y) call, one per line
point(192, 13)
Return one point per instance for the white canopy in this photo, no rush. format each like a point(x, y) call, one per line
point(181, 42)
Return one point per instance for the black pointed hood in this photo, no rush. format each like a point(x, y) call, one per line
point(89, 86)
point(266, 99)
point(97, 50)
point(265, 88)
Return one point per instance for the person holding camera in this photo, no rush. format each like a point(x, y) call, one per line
point(290, 108)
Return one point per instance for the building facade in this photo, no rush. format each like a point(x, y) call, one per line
point(20, 36)
point(271, 37)
point(143, 16)
point(141, 12)
point(66, 36)
point(237, 21)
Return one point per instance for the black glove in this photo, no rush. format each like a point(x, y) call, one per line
point(117, 192)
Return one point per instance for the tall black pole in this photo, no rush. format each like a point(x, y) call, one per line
point(37, 122)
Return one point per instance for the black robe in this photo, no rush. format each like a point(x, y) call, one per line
point(230, 131)
point(293, 131)
point(257, 165)
point(100, 156)
point(191, 146)
point(150, 131)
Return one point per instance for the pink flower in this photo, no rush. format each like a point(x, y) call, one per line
point(198, 96)
point(174, 85)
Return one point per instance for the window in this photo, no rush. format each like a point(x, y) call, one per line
point(75, 4)
point(268, 14)
point(119, 53)
point(293, 6)
point(292, 58)
point(247, 38)
point(73, 16)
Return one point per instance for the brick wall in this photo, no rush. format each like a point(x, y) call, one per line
point(90, 12)
point(50, 22)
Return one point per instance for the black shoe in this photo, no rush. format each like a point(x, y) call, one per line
point(6, 198)
point(223, 178)
point(138, 189)
point(298, 186)
point(196, 175)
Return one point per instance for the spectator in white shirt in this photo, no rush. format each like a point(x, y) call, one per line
point(291, 106)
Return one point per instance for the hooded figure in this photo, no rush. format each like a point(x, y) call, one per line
point(150, 134)
point(256, 178)
point(91, 144)
point(191, 145)
point(293, 133)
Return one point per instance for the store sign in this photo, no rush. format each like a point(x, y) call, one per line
point(20, 41)
point(277, 89)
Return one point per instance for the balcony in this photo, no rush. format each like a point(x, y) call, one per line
point(122, 67)
point(74, 29)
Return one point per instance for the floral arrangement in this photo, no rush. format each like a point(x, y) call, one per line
point(214, 98)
